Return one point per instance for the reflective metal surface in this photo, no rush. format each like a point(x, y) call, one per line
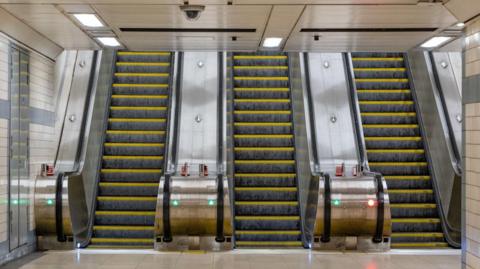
point(447, 184)
point(73, 122)
point(351, 214)
point(197, 139)
point(193, 211)
point(333, 118)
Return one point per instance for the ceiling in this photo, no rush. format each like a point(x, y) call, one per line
point(315, 25)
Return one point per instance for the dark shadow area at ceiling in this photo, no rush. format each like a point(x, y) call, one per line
point(189, 30)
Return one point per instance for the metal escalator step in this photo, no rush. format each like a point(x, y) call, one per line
point(261, 67)
point(121, 228)
point(270, 189)
point(411, 151)
point(420, 245)
point(113, 144)
point(262, 78)
point(265, 193)
point(270, 243)
point(143, 53)
point(140, 85)
point(265, 174)
point(143, 64)
point(380, 69)
point(262, 100)
point(97, 240)
point(416, 220)
point(402, 177)
point(413, 205)
point(267, 203)
point(262, 89)
point(138, 202)
point(128, 184)
point(389, 114)
point(268, 218)
point(131, 170)
point(262, 124)
point(413, 210)
point(398, 164)
point(383, 91)
point(142, 74)
point(126, 198)
point(119, 157)
point(283, 112)
point(266, 136)
point(259, 57)
point(389, 126)
point(382, 80)
point(264, 149)
point(132, 132)
point(141, 108)
point(137, 120)
point(269, 232)
point(393, 138)
point(385, 102)
point(381, 59)
point(138, 96)
point(128, 189)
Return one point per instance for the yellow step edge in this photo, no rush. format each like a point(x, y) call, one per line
point(106, 171)
point(121, 213)
point(382, 80)
point(121, 240)
point(270, 243)
point(286, 232)
point(263, 136)
point(413, 206)
point(381, 59)
point(135, 132)
point(437, 235)
point(264, 161)
point(126, 198)
point(385, 102)
point(122, 247)
point(277, 189)
point(280, 203)
point(264, 149)
point(259, 57)
point(122, 228)
point(127, 184)
point(258, 112)
point(380, 69)
point(142, 74)
point(397, 163)
point(139, 96)
point(282, 175)
point(262, 100)
point(261, 67)
point(262, 78)
point(420, 245)
point(416, 220)
point(408, 191)
point(111, 144)
point(390, 126)
point(409, 151)
point(384, 91)
point(132, 85)
point(127, 157)
point(144, 53)
point(262, 89)
point(407, 177)
point(288, 124)
point(142, 108)
point(136, 120)
point(143, 64)
point(389, 114)
point(393, 138)
point(267, 217)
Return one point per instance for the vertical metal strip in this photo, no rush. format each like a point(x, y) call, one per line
point(327, 218)
point(220, 214)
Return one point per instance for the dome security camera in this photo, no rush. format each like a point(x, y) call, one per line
point(192, 12)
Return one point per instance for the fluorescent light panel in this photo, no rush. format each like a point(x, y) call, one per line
point(89, 20)
point(272, 42)
point(109, 41)
point(435, 41)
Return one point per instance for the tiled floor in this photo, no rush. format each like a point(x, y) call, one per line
point(242, 259)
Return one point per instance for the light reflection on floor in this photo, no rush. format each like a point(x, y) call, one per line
point(242, 259)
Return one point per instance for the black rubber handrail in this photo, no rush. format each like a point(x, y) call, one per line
point(59, 209)
point(167, 231)
point(378, 238)
point(327, 210)
point(220, 115)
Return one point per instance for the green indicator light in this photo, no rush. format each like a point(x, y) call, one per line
point(211, 202)
point(49, 202)
point(15, 202)
point(336, 202)
point(175, 202)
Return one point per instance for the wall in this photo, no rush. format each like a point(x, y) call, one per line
point(41, 137)
point(471, 180)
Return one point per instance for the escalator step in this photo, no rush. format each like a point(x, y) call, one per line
point(117, 231)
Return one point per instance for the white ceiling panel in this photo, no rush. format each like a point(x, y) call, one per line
point(379, 16)
point(51, 23)
point(326, 2)
point(282, 21)
point(335, 42)
point(158, 16)
point(464, 9)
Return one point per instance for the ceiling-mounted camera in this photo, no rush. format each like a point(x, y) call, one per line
point(192, 12)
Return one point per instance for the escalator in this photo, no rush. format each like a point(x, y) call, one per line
point(266, 197)
point(133, 151)
point(395, 148)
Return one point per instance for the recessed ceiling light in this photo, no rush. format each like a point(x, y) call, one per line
point(436, 41)
point(109, 41)
point(272, 42)
point(460, 24)
point(89, 20)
